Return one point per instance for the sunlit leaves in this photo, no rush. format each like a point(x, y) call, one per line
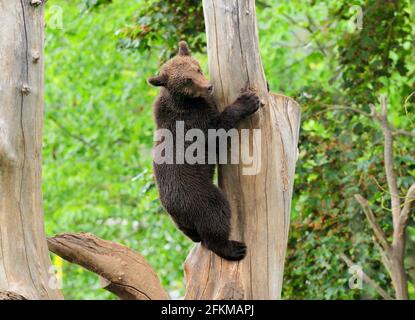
point(160, 25)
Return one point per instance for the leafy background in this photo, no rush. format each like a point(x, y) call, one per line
point(99, 130)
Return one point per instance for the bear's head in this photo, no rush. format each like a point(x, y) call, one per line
point(182, 76)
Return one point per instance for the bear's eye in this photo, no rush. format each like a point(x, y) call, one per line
point(189, 80)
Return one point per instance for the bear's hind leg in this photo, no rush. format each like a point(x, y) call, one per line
point(229, 249)
point(214, 226)
point(192, 234)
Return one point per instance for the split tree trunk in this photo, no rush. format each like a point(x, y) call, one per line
point(260, 203)
point(24, 258)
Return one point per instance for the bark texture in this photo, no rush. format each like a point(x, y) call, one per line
point(24, 258)
point(125, 272)
point(261, 203)
point(10, 296)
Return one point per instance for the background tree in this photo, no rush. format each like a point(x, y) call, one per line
point(367, 65)
point(25, 269)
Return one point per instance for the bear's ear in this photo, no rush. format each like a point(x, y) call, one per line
point(158, 81)
point(183, 49)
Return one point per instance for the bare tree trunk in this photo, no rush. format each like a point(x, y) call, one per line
point(261, 202)
point(399, 279)
point(24, 258)
point(393, 254)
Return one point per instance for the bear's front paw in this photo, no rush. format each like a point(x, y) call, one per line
point(248, 102)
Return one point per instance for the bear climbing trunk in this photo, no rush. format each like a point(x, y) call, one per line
point(260, 199)
point(24, 258)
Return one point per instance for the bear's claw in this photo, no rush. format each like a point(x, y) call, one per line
point(248, 102)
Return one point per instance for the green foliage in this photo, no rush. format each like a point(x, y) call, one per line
point(92, 4)
point(160, 25)
point(370, 57)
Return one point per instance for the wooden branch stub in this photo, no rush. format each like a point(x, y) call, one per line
point(129, 275)
point(35, 56)
point(36, 3)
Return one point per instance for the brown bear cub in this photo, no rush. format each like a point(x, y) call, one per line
point(198, 207)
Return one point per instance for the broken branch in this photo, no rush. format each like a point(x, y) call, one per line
point(128, 274)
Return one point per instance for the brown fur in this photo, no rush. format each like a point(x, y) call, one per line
point(187, 192)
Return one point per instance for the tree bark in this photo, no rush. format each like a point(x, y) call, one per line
point(24, 259)
point(125, 272)
point(399, 279)
point(260, 203)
